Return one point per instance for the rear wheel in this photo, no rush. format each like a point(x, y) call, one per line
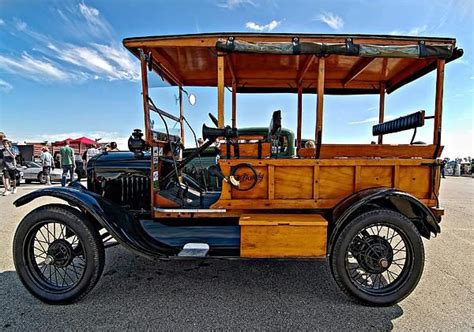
point(58, 254)
point(378, 258)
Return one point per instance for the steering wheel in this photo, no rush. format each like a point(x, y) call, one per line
point(214, 120)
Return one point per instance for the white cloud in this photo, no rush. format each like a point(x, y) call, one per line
point(266, 27)
point(415, 31)
point(86, 59)
point(2, 22)
point(418, 30)
point(20, 25)
point(34, 68)
point(97, 25)
point(5, 86)
point(333, 21)
point(374, 119)
point(106, 61)
point(231, 4)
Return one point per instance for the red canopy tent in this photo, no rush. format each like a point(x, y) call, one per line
point(83, 140)
point(79, 145)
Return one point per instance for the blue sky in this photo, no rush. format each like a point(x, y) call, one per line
point(64, 73)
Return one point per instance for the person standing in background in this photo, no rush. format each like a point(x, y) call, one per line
point(443, 166)
point(67, 162)
point(47, 163)
point(9, 168)
point(113, 146)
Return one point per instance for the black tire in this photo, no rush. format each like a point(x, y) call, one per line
point(373, 255)
point(41, 178)
point(27, 181)
point(88, 254)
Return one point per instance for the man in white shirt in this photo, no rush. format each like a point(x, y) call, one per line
point(47, 163)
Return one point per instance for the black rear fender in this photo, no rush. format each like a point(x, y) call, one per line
point(120, 223)
point(387, 198)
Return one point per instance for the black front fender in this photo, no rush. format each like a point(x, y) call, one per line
point(394, 199)
point(120, 223)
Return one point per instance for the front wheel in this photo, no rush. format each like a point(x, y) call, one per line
point(378, 258)
point(58, 254)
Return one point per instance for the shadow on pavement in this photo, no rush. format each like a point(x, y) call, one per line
point(213, 294)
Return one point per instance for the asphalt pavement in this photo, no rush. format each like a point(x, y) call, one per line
point(136, 293)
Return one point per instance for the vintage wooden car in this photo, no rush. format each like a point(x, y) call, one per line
point(363, 207)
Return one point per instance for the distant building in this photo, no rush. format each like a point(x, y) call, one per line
point(30, 151)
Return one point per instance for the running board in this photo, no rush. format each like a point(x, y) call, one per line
point(190, 210)
point(194, 250)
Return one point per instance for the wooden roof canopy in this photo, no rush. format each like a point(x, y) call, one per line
point(255, 62)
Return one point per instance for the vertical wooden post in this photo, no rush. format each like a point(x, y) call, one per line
point(319, 106)
point(181, 114)
point(438, 101)
point(381, 108)
point(146, 111)
point(234, 103)
point(220, 90)
point(300, 116)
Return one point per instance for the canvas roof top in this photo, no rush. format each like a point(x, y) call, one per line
point(354, 64)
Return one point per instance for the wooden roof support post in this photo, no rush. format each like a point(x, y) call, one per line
point(234, 103)
point(146, 112)
point(438, 101)
point(181, 114)
point(319, 106)
point(300, 117)
point(220, 90)
point(381, 108)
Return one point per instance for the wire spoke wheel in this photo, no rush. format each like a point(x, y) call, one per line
point(56, 258)
point(377, 258)
point(58, 253)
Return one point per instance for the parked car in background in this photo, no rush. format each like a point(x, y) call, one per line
point(34, 172)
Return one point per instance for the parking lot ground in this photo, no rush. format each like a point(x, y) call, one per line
point(136, 293)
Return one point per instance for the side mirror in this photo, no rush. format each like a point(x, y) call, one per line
point(192, 99)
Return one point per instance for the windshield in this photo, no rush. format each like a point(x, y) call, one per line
point(165, 98)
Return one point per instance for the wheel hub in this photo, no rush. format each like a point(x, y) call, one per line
point(60, 253)
point(374, 254)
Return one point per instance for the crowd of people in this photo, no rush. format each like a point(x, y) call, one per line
point(64, 159)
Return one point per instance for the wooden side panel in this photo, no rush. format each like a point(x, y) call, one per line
point(294, 182)
point(260, 191)
point(336, 182)
point(321, 184)
point(371, 176)
point(271, 236)
point(370, 151)
point(415, 180)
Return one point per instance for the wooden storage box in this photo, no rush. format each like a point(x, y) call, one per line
point(282, 235)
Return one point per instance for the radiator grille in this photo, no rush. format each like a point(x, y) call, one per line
point(135, 191)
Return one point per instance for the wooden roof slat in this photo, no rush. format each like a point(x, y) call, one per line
point(167, 66)
point(304, 69)
point(357, 69)
point(230, 64)
point(407, 72)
